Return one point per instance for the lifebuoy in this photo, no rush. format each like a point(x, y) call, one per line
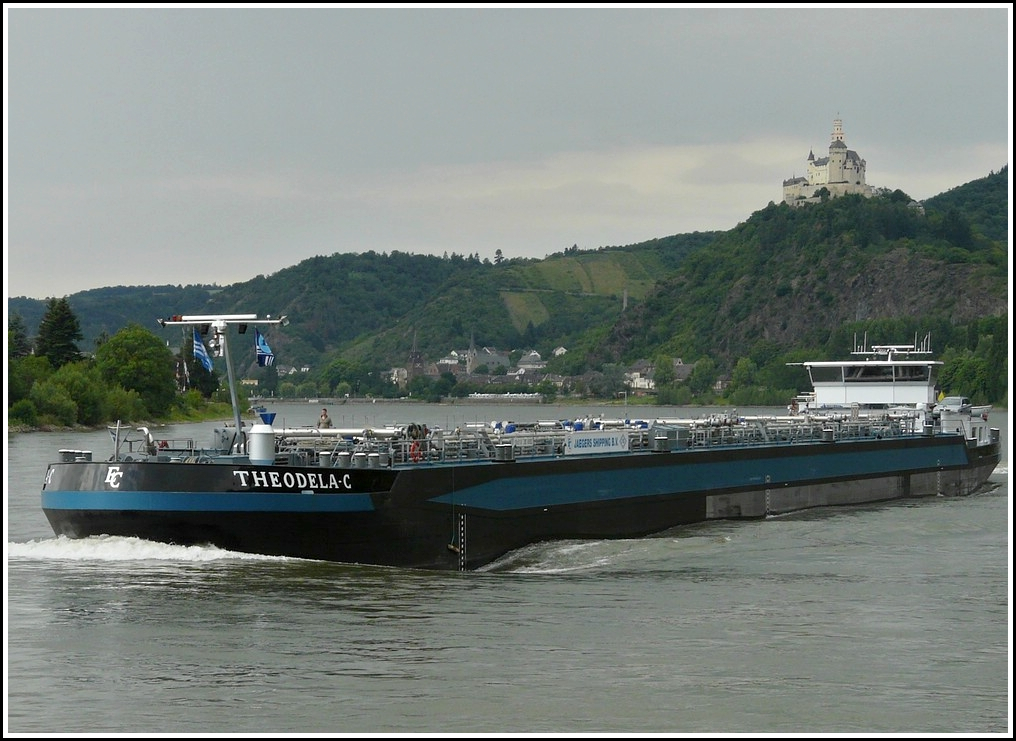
point(414, 452)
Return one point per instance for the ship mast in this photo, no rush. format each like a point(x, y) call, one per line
point(217, 323)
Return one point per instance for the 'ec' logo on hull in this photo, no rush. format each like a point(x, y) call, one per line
point(113, 476)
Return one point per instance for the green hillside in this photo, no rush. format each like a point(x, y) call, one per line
point(526, 303)
point(374, 306)
point(795, 279)
point(787, 280)
point(983, 204)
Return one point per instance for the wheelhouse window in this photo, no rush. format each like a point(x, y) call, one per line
point(913, 373)
point(865, 373)
point(826, 374)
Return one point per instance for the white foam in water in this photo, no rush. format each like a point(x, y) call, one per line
point(115, 548)
point(561, 557)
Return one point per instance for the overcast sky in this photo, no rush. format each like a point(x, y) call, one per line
point(151, 146)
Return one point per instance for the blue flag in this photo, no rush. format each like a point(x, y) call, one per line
point(264, 353)
point(200, 353)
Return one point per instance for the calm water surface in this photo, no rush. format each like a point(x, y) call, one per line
point(887, 619)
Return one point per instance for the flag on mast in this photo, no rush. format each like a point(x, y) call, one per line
point(200, 353)
point(264, 353)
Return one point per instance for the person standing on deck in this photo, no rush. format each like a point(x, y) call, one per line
point(325, 420)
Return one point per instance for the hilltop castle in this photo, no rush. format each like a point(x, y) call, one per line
point(840, 173)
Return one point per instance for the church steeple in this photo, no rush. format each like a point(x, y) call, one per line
point(471, 354)
point(415, 360)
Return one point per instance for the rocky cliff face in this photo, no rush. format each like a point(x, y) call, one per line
point(798, 302)
point(897, 284)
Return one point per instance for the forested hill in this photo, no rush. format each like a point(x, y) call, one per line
point(982, 203)
point(784, 279)
point(377, 306)
point(788, 277)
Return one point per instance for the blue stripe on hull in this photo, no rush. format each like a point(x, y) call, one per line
point(183, 501)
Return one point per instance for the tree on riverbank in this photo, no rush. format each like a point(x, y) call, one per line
point(59, 333)
point(136, 360)
point(130, 378)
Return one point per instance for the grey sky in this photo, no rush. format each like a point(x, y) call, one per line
point(189, 145)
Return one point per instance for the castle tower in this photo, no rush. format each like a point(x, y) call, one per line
point(837, 131)
point(837, 154)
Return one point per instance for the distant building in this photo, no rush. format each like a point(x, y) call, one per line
point(452, 363)
point(486, 356)
point(400, 377)
point(638, 383)
point(290, 370)
point(532, 361)
point(639, 377)
point(840, 173)
point(682, 371)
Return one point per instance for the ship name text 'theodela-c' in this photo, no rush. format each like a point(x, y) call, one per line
point(298, 480)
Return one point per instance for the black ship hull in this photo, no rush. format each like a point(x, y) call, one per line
point(464, 515)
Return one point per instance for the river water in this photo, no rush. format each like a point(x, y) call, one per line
point(878, 619)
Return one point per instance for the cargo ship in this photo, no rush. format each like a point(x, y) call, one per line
point(418, 496)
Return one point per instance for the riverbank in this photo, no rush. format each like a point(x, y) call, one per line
point(213, 411)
